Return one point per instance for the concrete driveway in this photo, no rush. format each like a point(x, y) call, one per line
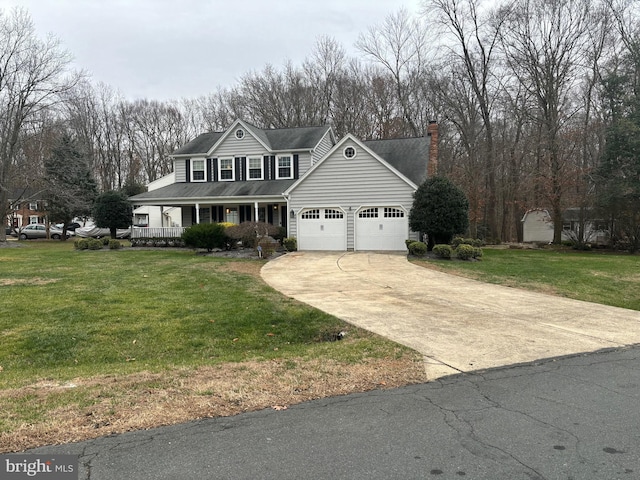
point(458, 324)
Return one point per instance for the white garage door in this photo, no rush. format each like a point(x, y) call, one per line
point(322, 229)
point(381, 228)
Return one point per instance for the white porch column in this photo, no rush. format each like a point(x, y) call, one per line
point(255, 211)
point(161, 216)
point(197, 213)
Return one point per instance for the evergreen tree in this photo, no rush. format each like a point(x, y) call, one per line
point(71, 190)
point(619, 171)
point(440, 209)
point(113, 210)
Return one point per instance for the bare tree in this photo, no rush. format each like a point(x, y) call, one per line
point(32, 78)
point(545, 45)
point(473, 59)
point(400, 46)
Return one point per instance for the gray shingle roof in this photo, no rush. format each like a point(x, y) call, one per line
point(185, 191)
point(410, 156)
point(200, 144)
point(302, 138)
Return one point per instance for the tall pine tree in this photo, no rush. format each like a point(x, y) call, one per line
point(71, 190)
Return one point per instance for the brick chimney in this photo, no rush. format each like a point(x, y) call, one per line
point(432, 133)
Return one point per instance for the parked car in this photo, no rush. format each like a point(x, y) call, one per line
point(71, 227)
point(39, 230)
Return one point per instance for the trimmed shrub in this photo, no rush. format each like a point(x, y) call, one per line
point(95, 244)
point(81, 244)
point(290, 244)
point(114, 244)
point(477, 252)
point(105, 241)
point(474, 242)
point(465, 251)
point(408, 242)
point(417, 248)
point(442, 251)
point(205, 235)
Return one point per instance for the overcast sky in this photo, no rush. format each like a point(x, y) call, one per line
point(168, 49)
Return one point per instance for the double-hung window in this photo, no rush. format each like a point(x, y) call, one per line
point(198, 170)
point(285, 167)
point(255, 168)
point(226, 169)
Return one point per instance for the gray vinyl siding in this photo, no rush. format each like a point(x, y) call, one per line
point(304, 162)
point(181, 170)
point(360, 181)
point(232, 147)
point(322, 149)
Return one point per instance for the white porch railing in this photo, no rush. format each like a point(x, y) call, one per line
point(150, 232)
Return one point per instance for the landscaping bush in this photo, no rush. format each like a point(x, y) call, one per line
point(290, 244)
point(95, 244)
point(465, 251)
point(408, 242)
point(205, 235)
point(81, 244)
point(249, 233)
point(105, 241)
point(477, 252)
point(114, 244)
point(474, 242)
point(417, 248)
point(442, 251)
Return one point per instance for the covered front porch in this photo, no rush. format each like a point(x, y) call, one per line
point(272, 212)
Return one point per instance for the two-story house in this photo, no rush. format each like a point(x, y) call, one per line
point(330, 195)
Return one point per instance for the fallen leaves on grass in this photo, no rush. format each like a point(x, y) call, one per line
point(115, 404)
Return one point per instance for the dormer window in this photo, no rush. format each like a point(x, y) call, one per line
point(197, 170)
point(285, 169)
point(226, 172)
point(239, 134)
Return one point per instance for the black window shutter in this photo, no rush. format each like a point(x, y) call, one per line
point(214, 168)
point(220, 213)
point(214, 215)
point(243, 168)
point(241, 213)
point(248, 214)
point(266, 175)
point(270, 214)
point(193, 215)
point(238, 175)
point(296, 166)
point(187, 165)
point(273, 167)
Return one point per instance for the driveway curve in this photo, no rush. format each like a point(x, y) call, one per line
point(458, 324)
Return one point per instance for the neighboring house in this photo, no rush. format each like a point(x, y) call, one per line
point(350, 195)
point(27, 207)
point(537, 226)
point(158, 216)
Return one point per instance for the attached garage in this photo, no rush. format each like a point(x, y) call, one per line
point(381, 228)
point(322, 229)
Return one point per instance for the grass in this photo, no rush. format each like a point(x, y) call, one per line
point(105, 336)
point(596, 276)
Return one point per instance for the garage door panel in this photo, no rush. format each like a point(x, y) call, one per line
point(322, 229)
point(381, 228)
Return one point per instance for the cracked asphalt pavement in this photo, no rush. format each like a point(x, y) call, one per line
point(504, 414)
point(569, 418)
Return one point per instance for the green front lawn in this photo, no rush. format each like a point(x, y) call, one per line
point(67, 313)
point(601, 277)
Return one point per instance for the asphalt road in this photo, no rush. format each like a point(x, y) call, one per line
point(574, 417)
